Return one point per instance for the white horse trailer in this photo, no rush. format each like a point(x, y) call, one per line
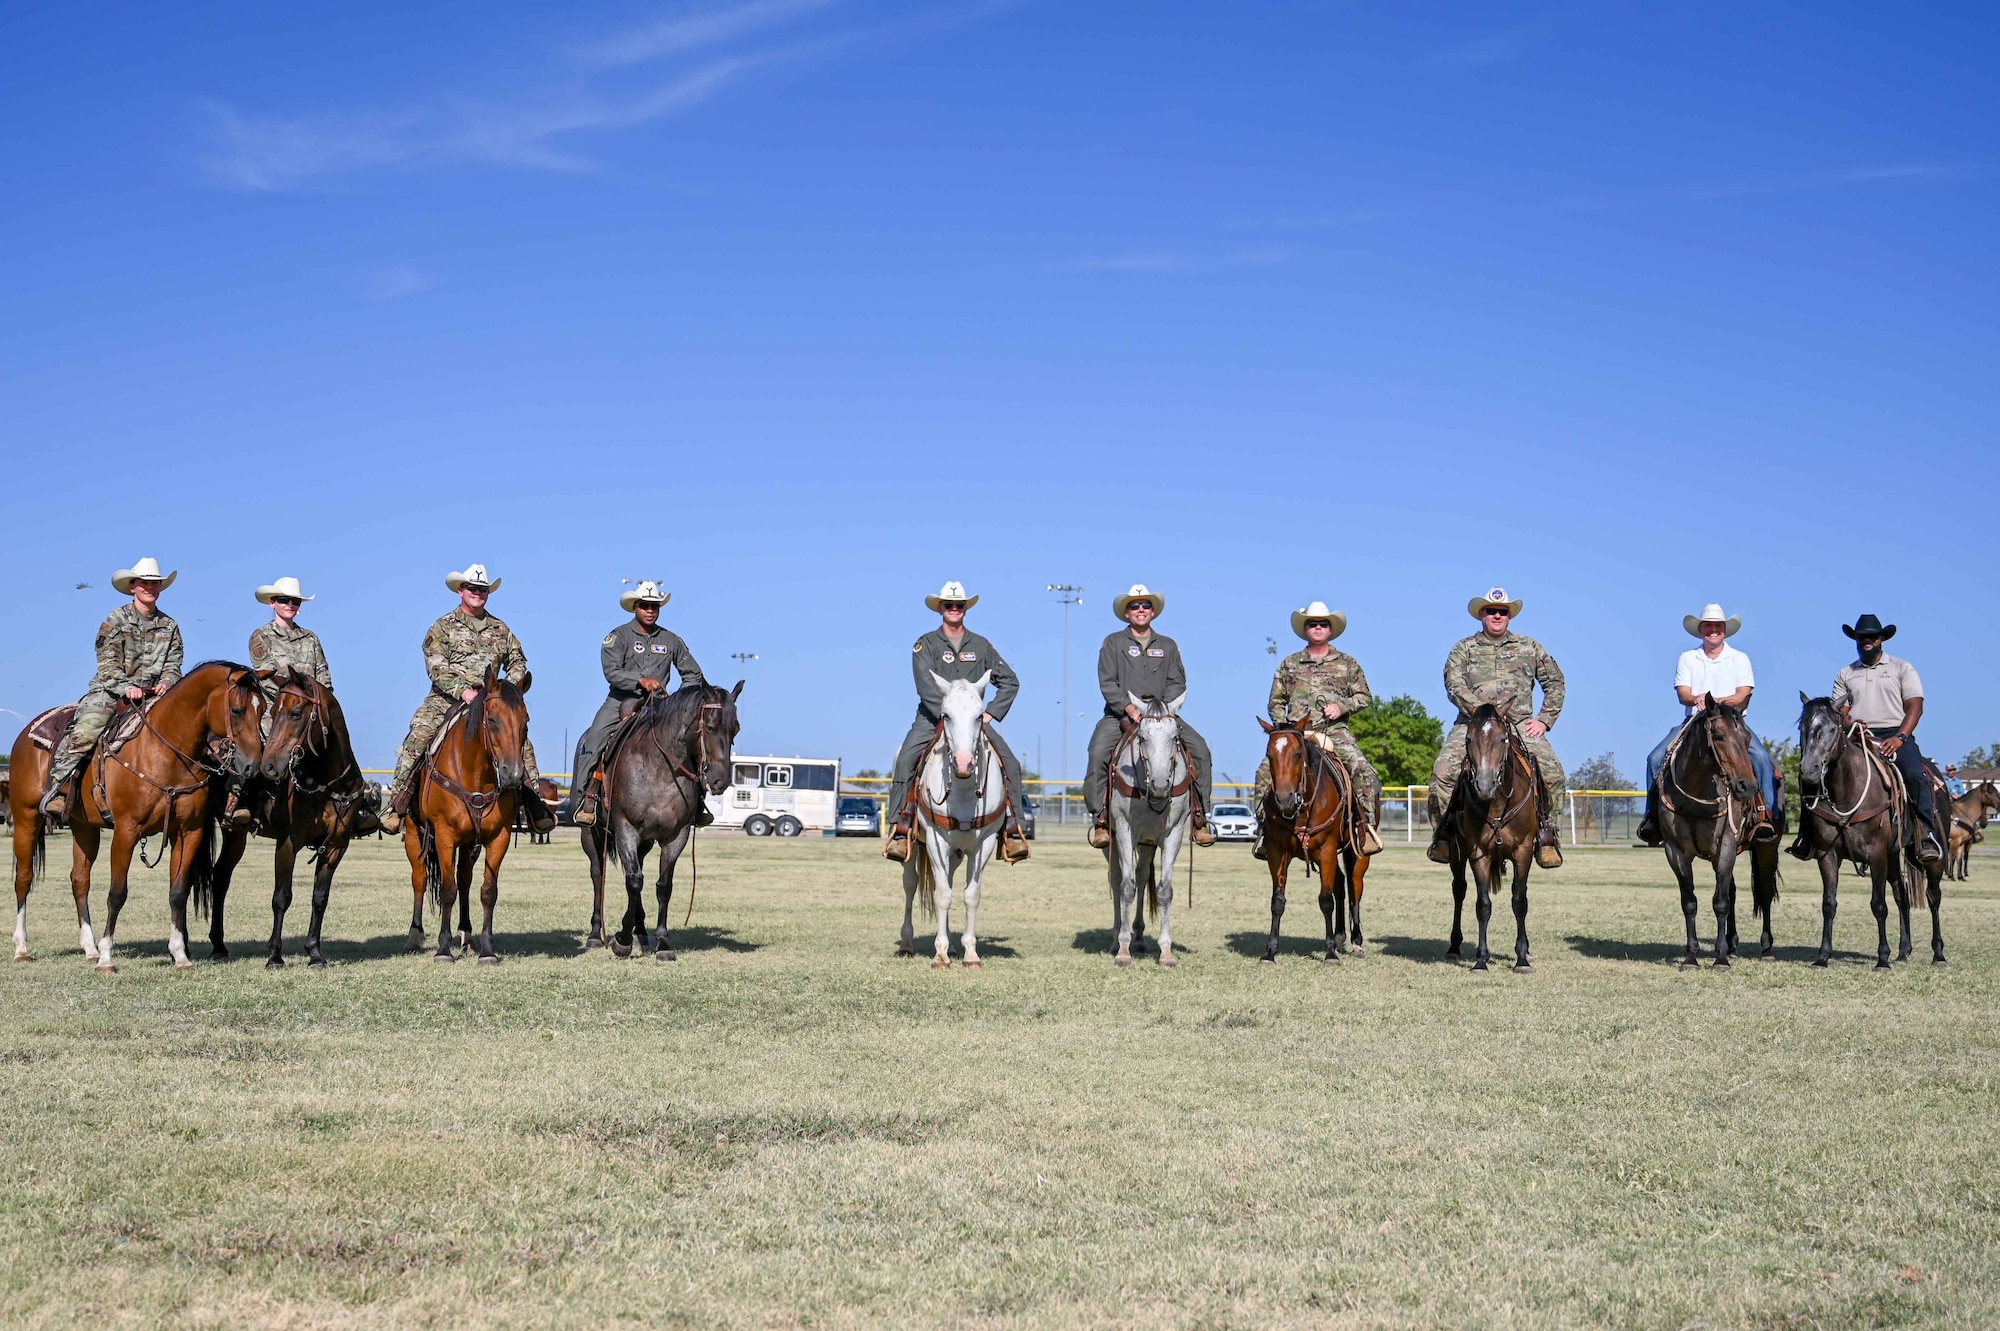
point(771, 796)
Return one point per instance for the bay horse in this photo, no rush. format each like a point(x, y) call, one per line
point(1969, 815)
point(1708, 799)
point(1150, 798)
point(1853, 807)
point(672, 750)
point(462, 802)
point(1309, 815)
point(159, 783)
point(961, 797)
point(320, 804)
point(1492, 823)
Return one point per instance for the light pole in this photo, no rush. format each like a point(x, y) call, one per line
point(742, 659)
point(1068, 594)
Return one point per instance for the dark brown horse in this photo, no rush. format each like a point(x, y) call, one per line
point(462, 802)
point(1708, 800)
point(158, 784)
point(676, 747)
point(1969, 815)
point(1492, 822)
point(1853, 807)
point(321, 804)
point(1309, 815)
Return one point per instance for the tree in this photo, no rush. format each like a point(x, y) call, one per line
point(1400, 738)
point(1600, 773)
point(1785, 757)
point(1986, 757)
point(866, 773)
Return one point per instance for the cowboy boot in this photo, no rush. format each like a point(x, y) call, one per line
point(1204, 835)
point(399, 806)
point(1371, 840)
point(55, 809)
point(1257, 851)
point(1099, 835)
point(536, 800)
point(1013, 841)
point(1547, 853)
point(234, 811)
point(899, 845)
point(584, 807)
point(1648, 830)
point(1439, 851)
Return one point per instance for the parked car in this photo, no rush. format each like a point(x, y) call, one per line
point(1232, 822)
point(857, 816)
point(1028, 816)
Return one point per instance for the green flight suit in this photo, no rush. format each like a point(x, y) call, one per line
point(631, 652)
point(1151, 669)
point(968, 657)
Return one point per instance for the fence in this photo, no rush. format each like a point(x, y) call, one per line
point(1593, 817)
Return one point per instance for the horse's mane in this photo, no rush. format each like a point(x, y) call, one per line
point(226, 665)
point(668, 713)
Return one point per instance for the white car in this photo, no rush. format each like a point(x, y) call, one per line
point(1232, 822)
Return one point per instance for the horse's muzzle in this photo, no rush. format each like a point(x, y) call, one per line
point(1288, 805)
point(507, 776)
point(962, 764)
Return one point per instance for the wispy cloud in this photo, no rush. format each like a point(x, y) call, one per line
point(537, 130)
point(396, 282)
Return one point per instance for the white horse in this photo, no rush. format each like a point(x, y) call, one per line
point(959, 810)
point(1150, 800)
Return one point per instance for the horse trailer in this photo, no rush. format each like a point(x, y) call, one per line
point(771, 796)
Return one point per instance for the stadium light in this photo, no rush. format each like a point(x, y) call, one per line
point(1068, 594)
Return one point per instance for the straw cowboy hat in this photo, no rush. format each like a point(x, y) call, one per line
point(1318, 610)
point(1139, 592)
point(951, 591)
point(647, 590)
point(1865, 627)
point(1495, 599)
point(475, 575)
point(282, 587)
point(1712, 613)
point(147, 568)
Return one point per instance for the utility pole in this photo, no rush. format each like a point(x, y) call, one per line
point(743, 659)
point(1067, 594)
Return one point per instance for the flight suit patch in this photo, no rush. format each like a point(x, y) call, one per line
point(609, 636)
point(664, 651)
point(948, 658)
point(965, 656)
point(1131, 651)
point(638, 646)
point(1156, 651)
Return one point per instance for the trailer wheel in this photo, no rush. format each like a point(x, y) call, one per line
point(789, 826)
point(756, 825)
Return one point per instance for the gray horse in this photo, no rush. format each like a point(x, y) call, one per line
point(961, 795)
point(677, 746)
point(1150, 799)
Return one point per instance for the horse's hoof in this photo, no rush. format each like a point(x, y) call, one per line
point(1767, 955)
point(445, 958)
point(316, 964)
point(21, 954)
point(1524, 968)
point(489, 960)
point(1267, 960)
point(621, 949)
point(590, 943)
point(416, 943)
point(218, 952)
point(1122, 959)
point(106, 968)
point(973, 963)
point(1722, 963)
point(902, 951)
point(275, 964)
point(1883, 966)
point(1690, 964)
point(1939, 961)
point(1454, 951)
point(666, 954)
point(1819, 964)
point(1169, 960)
point(940, 963)
point(183, 964)
point(1478, 966)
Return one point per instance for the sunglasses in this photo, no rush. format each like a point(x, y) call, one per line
point(1502, 613)
point(285, 600)
point(951, 605)
point(1319, 623)
point(476, 591)
point(1138, 605)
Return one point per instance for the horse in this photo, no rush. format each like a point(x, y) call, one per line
point(1492, 822)
point(1309, 815)
point(1708, 793)
point(158, 783)
point(320, 805)
point(672, 749)
point(1969, 814)
point(961, 797)
point(1853, 807)
point(1150, 798)
point(463, 801)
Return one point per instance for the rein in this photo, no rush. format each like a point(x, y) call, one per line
point(1727, 814)
point(945, 822)
point(1517, 754)
point(1844, 818)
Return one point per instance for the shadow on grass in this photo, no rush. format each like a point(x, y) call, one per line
point(1624, 949)
point(1430, 951)
point(1103, 942)
point(1250, 943)
point(992, 946)
point(541, 943)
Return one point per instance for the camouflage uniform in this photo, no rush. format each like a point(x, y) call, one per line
point(457, 651)
point(1504, 672)
point(1300, 692)
point(1152, 669)
point(276, 645)
point(968, 658)
point(133, 651)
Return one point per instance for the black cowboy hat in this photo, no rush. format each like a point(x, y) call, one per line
point(1868, 627)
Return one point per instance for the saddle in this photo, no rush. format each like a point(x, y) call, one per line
point(613, 742)
point(48, 728)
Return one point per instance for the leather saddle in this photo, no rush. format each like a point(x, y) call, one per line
point(48, 728)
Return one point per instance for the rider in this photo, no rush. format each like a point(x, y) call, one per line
point(1137, 662)
point(1719, 670)
point(639, 657)
point(954, 652)
point(1317, 689)
point(1499, 666)
point(457, 650)
point(280, 643)
point(1883, 693)
point(138, 656)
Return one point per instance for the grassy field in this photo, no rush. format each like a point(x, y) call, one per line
point(790, 1126)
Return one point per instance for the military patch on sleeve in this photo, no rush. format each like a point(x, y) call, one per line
point(609, 636)
point(917, 646)
point(259, 650)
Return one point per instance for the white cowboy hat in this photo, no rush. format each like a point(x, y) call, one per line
point(1318, 610)
point(475, 575)
point(1712, 611)
point(282, 587)
point(1139, 592)
point(1495, 599)
point(951, 591)
point(647, 590)
point(147, 568)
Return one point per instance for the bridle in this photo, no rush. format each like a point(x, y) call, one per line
point(314, 743)
point(702, 756)
point(1314, 764)
point(945, 822)
point(1517, 755)
point(1727, 812)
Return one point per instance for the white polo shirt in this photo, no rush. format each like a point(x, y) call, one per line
point(1722, 676)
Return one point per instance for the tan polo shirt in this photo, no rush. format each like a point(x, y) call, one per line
point(1874, 695)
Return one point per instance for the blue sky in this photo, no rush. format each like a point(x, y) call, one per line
point(805, 306)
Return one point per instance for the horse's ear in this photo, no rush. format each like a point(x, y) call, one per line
point(1708, 699)
point(527, 679)
point(1268, 727)
point(736, 692)
point(983, 681)
point(265, 672)
point(492, 675)
point(1803, 698)
point(1137, 701)
point(944, 685)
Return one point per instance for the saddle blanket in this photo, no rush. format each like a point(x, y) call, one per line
point(48, 728)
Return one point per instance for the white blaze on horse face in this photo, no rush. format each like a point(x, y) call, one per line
point(964, 701)
point(1158, 731)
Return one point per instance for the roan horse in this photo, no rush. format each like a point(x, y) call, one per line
point(1309, 815)
point(158, 783)
point(1150, 797)
point(1969, 814)
point(1492, 822)
point(672, 750)
point(466, 789)
point(961, 796)
point(1708, 795)
point(1853, 807)
point(320, 805)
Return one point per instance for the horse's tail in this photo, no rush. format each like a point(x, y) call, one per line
point(926, 879)
point(201, 865)
point(1765, 876)
point(1152, 890)
point(38, 854)
point(433, 871)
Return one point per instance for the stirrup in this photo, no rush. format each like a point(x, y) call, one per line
point(1371, 840)
point(55, 809)
point(1548, 854)
point(1648, 830)
point(1099, 836)
point(1257, 851)
point(899, 845)
point(1439, 852)
point(1013, 844)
